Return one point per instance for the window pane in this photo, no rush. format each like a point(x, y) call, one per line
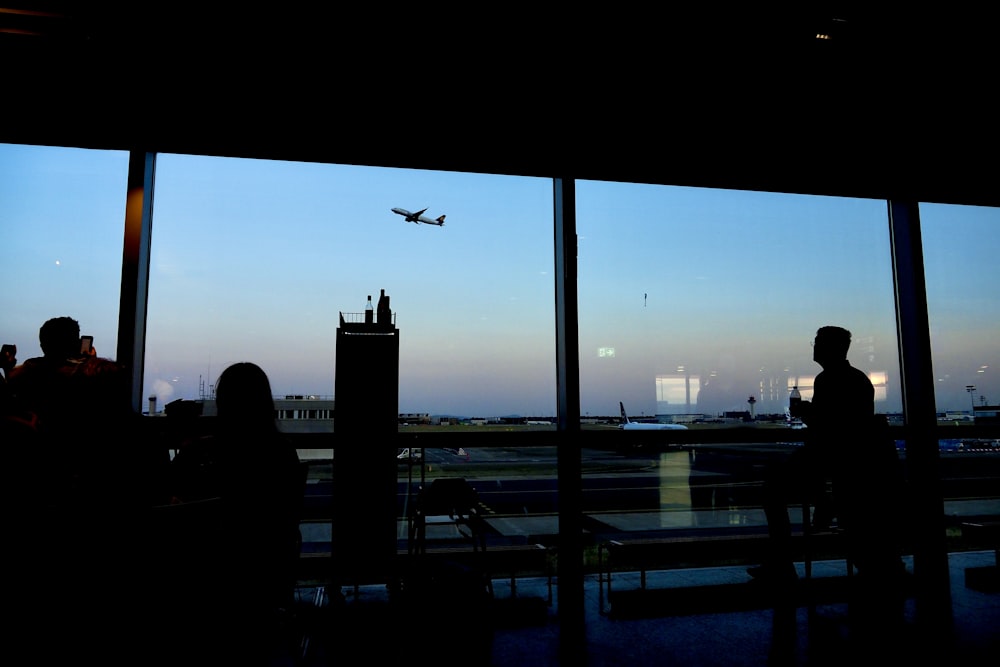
point(62, 211)
point(692, 301)
point(963, 304)
point(254, 260)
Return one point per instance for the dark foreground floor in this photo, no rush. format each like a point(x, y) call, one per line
point(709, 616)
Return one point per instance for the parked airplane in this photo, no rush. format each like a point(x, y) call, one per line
point(629, 425)
point(418, 217)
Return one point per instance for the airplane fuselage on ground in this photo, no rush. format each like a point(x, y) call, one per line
point(419, 217)
point(629, 425)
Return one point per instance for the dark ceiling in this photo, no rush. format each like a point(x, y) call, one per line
point(753, 100)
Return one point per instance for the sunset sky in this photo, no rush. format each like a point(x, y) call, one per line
point(716, 293)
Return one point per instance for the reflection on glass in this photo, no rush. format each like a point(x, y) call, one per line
point(710, 297)
point(963, 305)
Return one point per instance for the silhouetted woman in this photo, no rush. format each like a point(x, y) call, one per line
point(261, 481)
point(253, 473)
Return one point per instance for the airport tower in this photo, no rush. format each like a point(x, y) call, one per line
point(366, 408)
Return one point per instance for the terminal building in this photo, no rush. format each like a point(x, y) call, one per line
point(862, 108)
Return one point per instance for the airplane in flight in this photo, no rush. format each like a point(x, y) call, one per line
point(629, 425)
point(419, 217)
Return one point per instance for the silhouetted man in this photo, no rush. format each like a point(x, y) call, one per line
point(81, 400)
point(87, 489)
point(843, 444)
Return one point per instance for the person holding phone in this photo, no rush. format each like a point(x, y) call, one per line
point(78, 397)
point(35, 381)
point(8, 359)
point(82, 469)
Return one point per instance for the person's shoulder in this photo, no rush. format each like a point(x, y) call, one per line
point(196, 451)
point(859, 374)
point(28, 366)
point(280, 453)
point(281, 447)
point(33, 372)
point(98, 365)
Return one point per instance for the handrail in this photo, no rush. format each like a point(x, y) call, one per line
point(608, 437)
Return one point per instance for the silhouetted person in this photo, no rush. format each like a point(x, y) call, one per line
point(847, 444)
point(255, 474)
point(65, 382)
point(19, 424)
point(20, 493)
point(8, 359)
point(82, 467)
point(84, 414)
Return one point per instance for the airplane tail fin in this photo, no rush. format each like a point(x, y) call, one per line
point(625, 419)
point(440, 221)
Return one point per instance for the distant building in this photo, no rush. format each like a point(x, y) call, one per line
point(685, 418)
point(986, 414)
point(414, 418)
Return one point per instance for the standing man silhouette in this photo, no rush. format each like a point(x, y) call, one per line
point(839, 423)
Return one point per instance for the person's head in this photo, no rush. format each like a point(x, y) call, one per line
point(243, 395)
point(60, 338)
point(831, 344)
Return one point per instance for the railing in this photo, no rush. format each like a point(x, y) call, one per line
point(629, 489)
point(696, 483)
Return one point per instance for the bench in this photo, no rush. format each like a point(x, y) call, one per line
point(498, 561)
point(678, 551)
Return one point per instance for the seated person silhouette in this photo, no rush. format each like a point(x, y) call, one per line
point(87, 488)
point(842, 444)
point(84, 414)
point(255, 473)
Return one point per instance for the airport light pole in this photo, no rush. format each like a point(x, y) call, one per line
point(971, 388)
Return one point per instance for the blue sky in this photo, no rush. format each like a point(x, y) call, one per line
point(254, 260)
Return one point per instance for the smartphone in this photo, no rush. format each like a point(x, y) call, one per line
point(86, 343)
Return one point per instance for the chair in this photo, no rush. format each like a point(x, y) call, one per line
point(447, 502)
point(867, 497)
point(811, 530)
point(452, 588)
